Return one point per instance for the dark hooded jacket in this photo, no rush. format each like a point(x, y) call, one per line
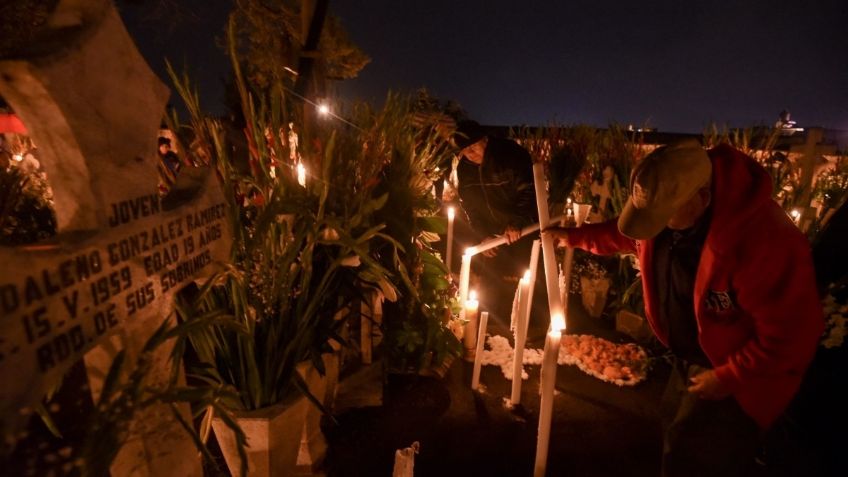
point(757, 309)
point(499, 192)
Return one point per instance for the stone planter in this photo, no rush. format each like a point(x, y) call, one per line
point(284, 439)
point(593, 293)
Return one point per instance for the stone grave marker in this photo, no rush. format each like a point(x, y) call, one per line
point(93, 107)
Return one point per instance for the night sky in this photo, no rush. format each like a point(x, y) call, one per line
point(670, 64)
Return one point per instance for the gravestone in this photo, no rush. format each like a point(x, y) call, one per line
point(108, 279)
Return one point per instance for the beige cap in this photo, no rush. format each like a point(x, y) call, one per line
point(660, 184)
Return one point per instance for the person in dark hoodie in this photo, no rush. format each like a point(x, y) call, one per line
point(729, 287)
point(497, 194)
point(495, 178)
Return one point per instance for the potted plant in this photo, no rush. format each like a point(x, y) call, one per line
point(302, 251)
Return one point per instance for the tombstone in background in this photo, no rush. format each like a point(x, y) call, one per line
point(109, 278)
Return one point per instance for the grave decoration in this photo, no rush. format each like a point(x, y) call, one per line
point(622, 364)
point(107, 281)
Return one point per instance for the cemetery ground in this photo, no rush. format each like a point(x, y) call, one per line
point(599, 429)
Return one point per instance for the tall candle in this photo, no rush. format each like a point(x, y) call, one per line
point(581, 211)
point(464, 277)
point(301, 174)
point(449, 249)
point(469, 337)
point(520, 338)
point(534, 266)
point(547, 385)
point(548, 252)
point(478, 355)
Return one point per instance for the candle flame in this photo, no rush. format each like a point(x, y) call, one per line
point(472, 295)
point(557, 322)
point(451, 213)
point(526, 277)
point(323, 109)
point(796, 214)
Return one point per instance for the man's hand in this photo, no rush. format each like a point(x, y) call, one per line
point(492, 251)
point(706, 385)
point(511, 234)
point(559, 234)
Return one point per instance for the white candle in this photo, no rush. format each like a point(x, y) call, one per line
point(534, 266)
point(301, 174)
point(520, 338)
point(464, 277)
point(548, 252)
point(449, 250)
point(547, 385)
point(478, 355)
point(469, 337)
point(567, 265)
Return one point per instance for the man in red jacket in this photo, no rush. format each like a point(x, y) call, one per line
point(728, 286)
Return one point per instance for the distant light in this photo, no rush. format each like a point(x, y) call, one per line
point(18, 157)
point(290, 70)
point(451, 213)
point(796, 214)
point(323, 109)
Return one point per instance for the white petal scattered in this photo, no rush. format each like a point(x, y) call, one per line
point(620, 364)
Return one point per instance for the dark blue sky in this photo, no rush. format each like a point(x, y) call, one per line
point(671, 64)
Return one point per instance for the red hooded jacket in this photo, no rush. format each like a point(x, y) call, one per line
point(756, 305)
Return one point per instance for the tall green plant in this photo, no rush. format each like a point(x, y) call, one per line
point(300, 252)
point(417, 328)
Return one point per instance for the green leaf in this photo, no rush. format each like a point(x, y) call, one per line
point(434, 224)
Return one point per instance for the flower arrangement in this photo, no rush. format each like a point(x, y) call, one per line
point(26, 205)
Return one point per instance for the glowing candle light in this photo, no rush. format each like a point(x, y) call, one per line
point(301, 174)
point(449, 251)
point(323, 110)
point(478, 355)
point(469, 338)
point(796, 215)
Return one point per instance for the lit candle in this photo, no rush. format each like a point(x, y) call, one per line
point(478, 355)
point(301, 174)
point(520, 337)
point(469, 337)
point(796, 215)
point(547, 385)
point(449, 251)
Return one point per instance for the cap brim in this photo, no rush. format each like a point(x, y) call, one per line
point(642, 224)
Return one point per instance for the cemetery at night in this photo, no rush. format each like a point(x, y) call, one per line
point(333, 238)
